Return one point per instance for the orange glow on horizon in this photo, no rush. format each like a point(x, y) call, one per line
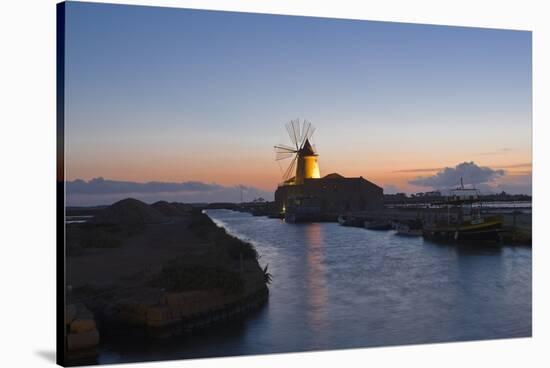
point(262, 172)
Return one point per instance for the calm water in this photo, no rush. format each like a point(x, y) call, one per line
point(339, 287)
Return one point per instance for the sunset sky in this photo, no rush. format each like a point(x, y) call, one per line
point(174, 95)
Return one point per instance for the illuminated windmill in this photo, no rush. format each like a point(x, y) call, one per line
point(304, 163)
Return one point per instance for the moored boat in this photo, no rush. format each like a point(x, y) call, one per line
point(461, 219)
point(481, 229)
point(377, 224)
point(409, 228)
point(350, 220)
point(342, 220)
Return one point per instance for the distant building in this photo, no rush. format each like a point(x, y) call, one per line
point(334, 193)
point(435, 193)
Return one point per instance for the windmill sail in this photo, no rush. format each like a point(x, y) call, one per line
point(304, 155)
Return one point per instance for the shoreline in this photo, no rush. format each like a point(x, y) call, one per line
point(167, 279)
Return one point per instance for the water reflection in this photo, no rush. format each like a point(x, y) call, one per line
point(316, 279)
point(336, 287)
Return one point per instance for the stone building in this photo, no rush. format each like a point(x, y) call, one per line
point(305, 191)
point(334, 194)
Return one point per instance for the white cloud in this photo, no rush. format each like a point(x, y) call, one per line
point(103, 191)
point(450, 176)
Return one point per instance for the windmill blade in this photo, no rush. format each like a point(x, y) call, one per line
point(309, 132)
point(298, 132)
point(290, 129)
point(295, 128)
point(283, 155)
point(302, 132)
point(284, 148)
point(290, 170)
point(314, 148)
point(280, 168)
point(305, 130)
point(283, 152)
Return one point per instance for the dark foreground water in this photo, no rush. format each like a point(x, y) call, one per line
point(339, 287)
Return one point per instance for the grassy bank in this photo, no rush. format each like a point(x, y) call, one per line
point(183, 272)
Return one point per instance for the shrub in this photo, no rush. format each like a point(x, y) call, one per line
point(203, 227)
point(236, 247)
point(177, 277)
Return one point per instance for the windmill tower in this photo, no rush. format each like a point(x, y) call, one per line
point(304, 164)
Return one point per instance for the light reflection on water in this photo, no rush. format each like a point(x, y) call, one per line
point(340, 287)
point(316, 282)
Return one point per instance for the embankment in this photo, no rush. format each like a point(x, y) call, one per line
point(172, 276)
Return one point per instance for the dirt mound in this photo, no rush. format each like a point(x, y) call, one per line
point(129, 211)
point(171, 209)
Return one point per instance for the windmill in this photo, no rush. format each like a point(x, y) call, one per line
point(303, 164)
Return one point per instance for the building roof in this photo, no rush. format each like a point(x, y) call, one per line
point(333, 176)
point(336, 176)
point(307, 149)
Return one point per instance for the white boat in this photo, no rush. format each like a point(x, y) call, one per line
point(411, 228)
point(377, 224)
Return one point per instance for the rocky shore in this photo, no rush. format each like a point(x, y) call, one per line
point(82, 334)
point(165, 268)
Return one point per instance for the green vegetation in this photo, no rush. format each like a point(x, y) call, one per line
point(267, 276)
point(89, 235)
point(180, 277)
point(213, 273)
point(203, 227)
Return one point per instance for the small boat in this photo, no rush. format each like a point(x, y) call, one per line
point(349, 220)
point(409, 228)
point(342, 219)
point(377, 225)
point(460, 219)
point(482, 229)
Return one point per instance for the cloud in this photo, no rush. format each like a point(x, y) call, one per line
point(497, 152)
point(103, 191)
point(514, 166)
point(514, 183)
point(102, 186)
point(419, 170)
point(519, 173)
point(520, 184)
point(450, 176)
point(390, 189)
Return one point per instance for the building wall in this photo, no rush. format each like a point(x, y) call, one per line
point(284, 193)
point(336, 195)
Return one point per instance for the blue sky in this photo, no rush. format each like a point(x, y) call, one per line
point(163, 94)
